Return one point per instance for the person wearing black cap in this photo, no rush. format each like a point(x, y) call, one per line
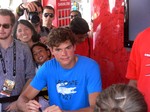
point(80, 28)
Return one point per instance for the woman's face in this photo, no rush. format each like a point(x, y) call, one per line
point(24, 33)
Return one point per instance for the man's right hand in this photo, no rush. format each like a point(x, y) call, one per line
point(53, 108)
point(33, 106)
point(30, 6)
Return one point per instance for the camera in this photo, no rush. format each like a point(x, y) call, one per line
point(33, 17)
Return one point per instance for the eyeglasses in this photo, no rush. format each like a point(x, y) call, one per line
point(6, 26)
point(73, 16)
point(51, 15)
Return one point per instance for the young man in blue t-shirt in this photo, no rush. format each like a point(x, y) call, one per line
point(73, 81)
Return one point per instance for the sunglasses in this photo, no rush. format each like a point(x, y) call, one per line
point(6, 26)
point(49, 14)
point(73, 16)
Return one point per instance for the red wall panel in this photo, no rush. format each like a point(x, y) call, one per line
point(108, 47)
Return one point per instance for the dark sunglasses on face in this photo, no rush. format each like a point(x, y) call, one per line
point(49, 14)
point(6, 26)
point(73, 16)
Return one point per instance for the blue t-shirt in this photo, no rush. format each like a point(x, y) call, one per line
point(69, 88)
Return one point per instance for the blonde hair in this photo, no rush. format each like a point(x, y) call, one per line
point(120, 98)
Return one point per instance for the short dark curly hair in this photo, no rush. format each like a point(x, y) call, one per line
point(79, 26)
point(50, 8)
point(60, 35)
point(39, 44)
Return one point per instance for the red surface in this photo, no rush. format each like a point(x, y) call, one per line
point(108, 47)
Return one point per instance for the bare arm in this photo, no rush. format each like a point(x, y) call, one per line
point(12, 106)
point(26, 85)
point(92, 101)
point(28, 94)
point(133, 83)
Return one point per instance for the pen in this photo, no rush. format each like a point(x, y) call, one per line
point(40, 110)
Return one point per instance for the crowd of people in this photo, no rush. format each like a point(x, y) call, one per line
point(37, 56)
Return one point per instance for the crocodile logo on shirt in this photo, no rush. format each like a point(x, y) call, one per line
point(65, 90)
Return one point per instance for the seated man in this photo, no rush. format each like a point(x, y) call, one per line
point(73, 81)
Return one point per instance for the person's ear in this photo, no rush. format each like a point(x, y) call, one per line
point(51, 50)
point(54, 17)
point(48, 52)
point(74, 47)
